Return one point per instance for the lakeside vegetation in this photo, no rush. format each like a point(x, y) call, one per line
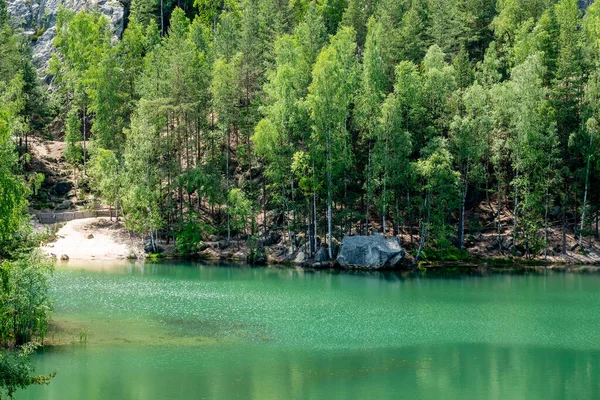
point(24, 301)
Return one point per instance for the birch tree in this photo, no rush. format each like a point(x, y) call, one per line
point(329, 98)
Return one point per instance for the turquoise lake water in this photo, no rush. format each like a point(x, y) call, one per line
point(189, 331)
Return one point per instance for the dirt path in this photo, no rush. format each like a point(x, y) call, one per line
point(93, 239)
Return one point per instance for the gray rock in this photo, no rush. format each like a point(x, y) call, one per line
point(149, 249)
point(271, 239)
point(65, 205)
point(62, 188)
point(370, 252)
point(37, 18)
point(202, 246)
point(323, 265)
point(584, 4)
point(300, 258)
point(321, 255)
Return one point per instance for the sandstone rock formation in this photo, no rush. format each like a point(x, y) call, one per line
point(37, 18)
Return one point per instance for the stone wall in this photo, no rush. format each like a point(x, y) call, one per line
point(65, 216)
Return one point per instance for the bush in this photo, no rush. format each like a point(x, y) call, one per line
point(189, 237)
point(24, 302)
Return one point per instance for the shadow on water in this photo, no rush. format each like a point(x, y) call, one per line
point(450, 271)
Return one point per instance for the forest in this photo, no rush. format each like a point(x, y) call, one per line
point(312, 120)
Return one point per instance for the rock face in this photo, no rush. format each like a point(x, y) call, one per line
point(370, 252)
point(321, 255)
point(38, 18)
point(65, 205)
point(584, 4)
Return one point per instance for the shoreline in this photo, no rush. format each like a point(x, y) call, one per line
point(101, 241)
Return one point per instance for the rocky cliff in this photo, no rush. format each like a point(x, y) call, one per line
point(38, 17)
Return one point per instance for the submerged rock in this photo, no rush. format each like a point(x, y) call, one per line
point(370, 252)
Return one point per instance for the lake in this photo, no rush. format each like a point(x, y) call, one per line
point(191, 331)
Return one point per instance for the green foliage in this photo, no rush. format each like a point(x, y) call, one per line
point(16, 371)
point(191, 235)
point(240, 210)
point(12, 188)
point(439, 187)
point(106, 173)
point(24, 303)
point(74, 151)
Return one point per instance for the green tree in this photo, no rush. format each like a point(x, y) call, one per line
point(330, 95)
point(142, 159)
point(438, 186)
point(370, 97)
point(12, 189)
point(81, 40)
point(469, 135)
point(106, 173)
point(225, 92)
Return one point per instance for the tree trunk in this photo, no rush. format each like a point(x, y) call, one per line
point(463, 200)
point(264, 190)
point(410, 230)
point(461, 237)
point(329, 195)
point(84, 136)
point(564, 229)
point(329, 215)
point(546, 223)
point(423, 232)
point(368, 191)
point(309, 227)
point(227, 183)
point(385, 173)
point(515, 209)
point(499, 225)
point(315, 220)
point(587, 179)
point(162, 17)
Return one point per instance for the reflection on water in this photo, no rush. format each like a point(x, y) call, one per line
point(193, 331)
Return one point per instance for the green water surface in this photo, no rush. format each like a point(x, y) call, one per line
point(175, 331)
